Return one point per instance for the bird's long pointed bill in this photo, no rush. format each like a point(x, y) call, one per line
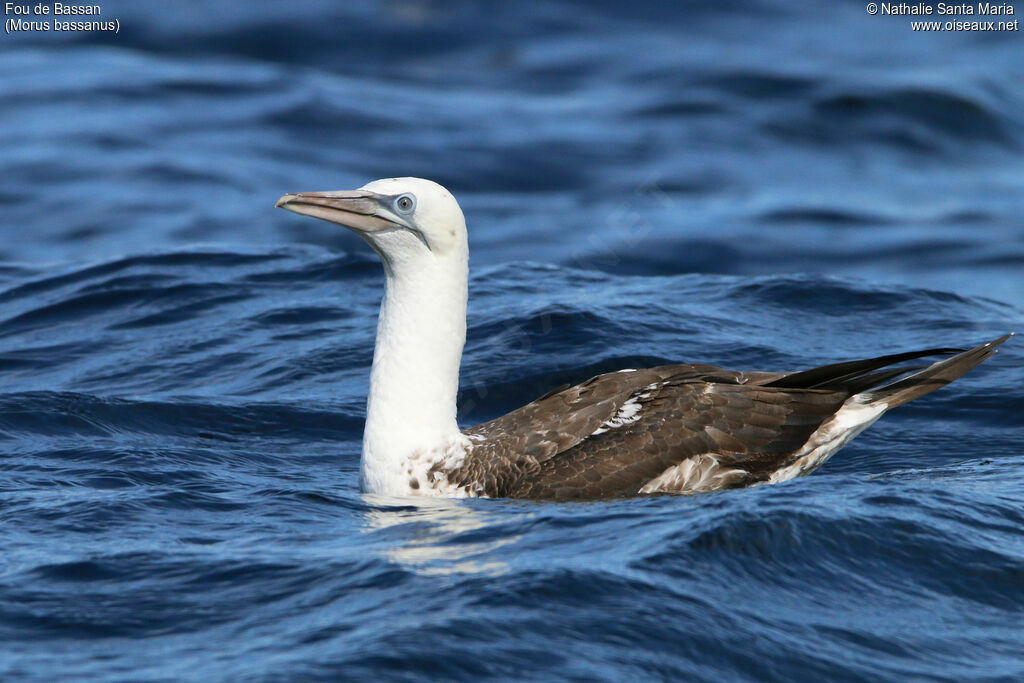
point(357, 209)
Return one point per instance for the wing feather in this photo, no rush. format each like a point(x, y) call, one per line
point(571, 444)
point(679, 428)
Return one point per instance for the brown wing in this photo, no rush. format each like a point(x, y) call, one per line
point(681, 428)
point(563, 445)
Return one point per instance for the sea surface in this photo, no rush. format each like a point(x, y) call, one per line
point(753, 183)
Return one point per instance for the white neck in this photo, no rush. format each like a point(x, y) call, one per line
point(415, 376)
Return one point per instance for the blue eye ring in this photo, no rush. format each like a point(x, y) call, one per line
point(405, 204)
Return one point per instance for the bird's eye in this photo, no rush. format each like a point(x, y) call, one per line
point(405, 204)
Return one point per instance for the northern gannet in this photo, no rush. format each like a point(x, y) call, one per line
point(682, 429)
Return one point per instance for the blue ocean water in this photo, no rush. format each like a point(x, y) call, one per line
point(752, 183)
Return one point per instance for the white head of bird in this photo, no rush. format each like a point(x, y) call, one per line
point(418, 229)
point(403, 219)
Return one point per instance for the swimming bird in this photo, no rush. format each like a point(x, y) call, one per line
point(683, 429)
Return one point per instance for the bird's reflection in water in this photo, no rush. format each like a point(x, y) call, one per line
point(436, 535)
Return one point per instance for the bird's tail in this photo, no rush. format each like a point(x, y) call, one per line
point(933, 377)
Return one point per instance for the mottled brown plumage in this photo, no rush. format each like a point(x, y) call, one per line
point(686, 428)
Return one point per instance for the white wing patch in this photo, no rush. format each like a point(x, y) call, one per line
point(629, 412)
point(849, 421)
point(698, 474)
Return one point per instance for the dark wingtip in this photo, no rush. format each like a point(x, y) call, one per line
point(936, 375)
